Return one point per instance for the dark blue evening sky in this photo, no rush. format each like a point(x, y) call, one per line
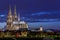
point(33, 12)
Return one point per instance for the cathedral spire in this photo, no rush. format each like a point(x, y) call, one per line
point(15, 14)
point(15, 10)
point(9, 19)
point(18, 16)
point(9, 13)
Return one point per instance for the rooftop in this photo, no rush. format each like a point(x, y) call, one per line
point(16, 22)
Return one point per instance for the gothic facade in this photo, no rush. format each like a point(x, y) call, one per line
point(13, 21)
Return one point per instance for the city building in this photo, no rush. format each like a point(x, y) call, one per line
point(41, 28)
point(14, 23)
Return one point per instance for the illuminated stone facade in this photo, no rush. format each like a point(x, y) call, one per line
point(13, 21)
point(41, 28)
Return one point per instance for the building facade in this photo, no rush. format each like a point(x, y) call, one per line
point(13, 21)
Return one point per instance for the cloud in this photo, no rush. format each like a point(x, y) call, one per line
point(2, 24)
point(25, 18)
point(45, 25)
point(3, 18)
point(38, 19)
point(47, 20)
point(47, 15)
point(2, 15)
point(43, 13)
point(44, 20)
point(43, 17)
point(40, 13)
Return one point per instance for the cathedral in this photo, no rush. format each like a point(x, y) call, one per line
point(13, 21)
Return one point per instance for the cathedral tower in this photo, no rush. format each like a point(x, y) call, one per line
point(15, 14)
point(9, 19)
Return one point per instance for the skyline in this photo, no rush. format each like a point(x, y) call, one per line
point(33, 12)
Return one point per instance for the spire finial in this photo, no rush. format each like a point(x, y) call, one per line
point(10, 10)
point(15, 10)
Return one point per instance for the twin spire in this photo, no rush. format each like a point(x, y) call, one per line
point(9, 11)
point(15, 15)
point(15, 18)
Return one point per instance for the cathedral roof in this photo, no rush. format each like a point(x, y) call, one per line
point(17, 22)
